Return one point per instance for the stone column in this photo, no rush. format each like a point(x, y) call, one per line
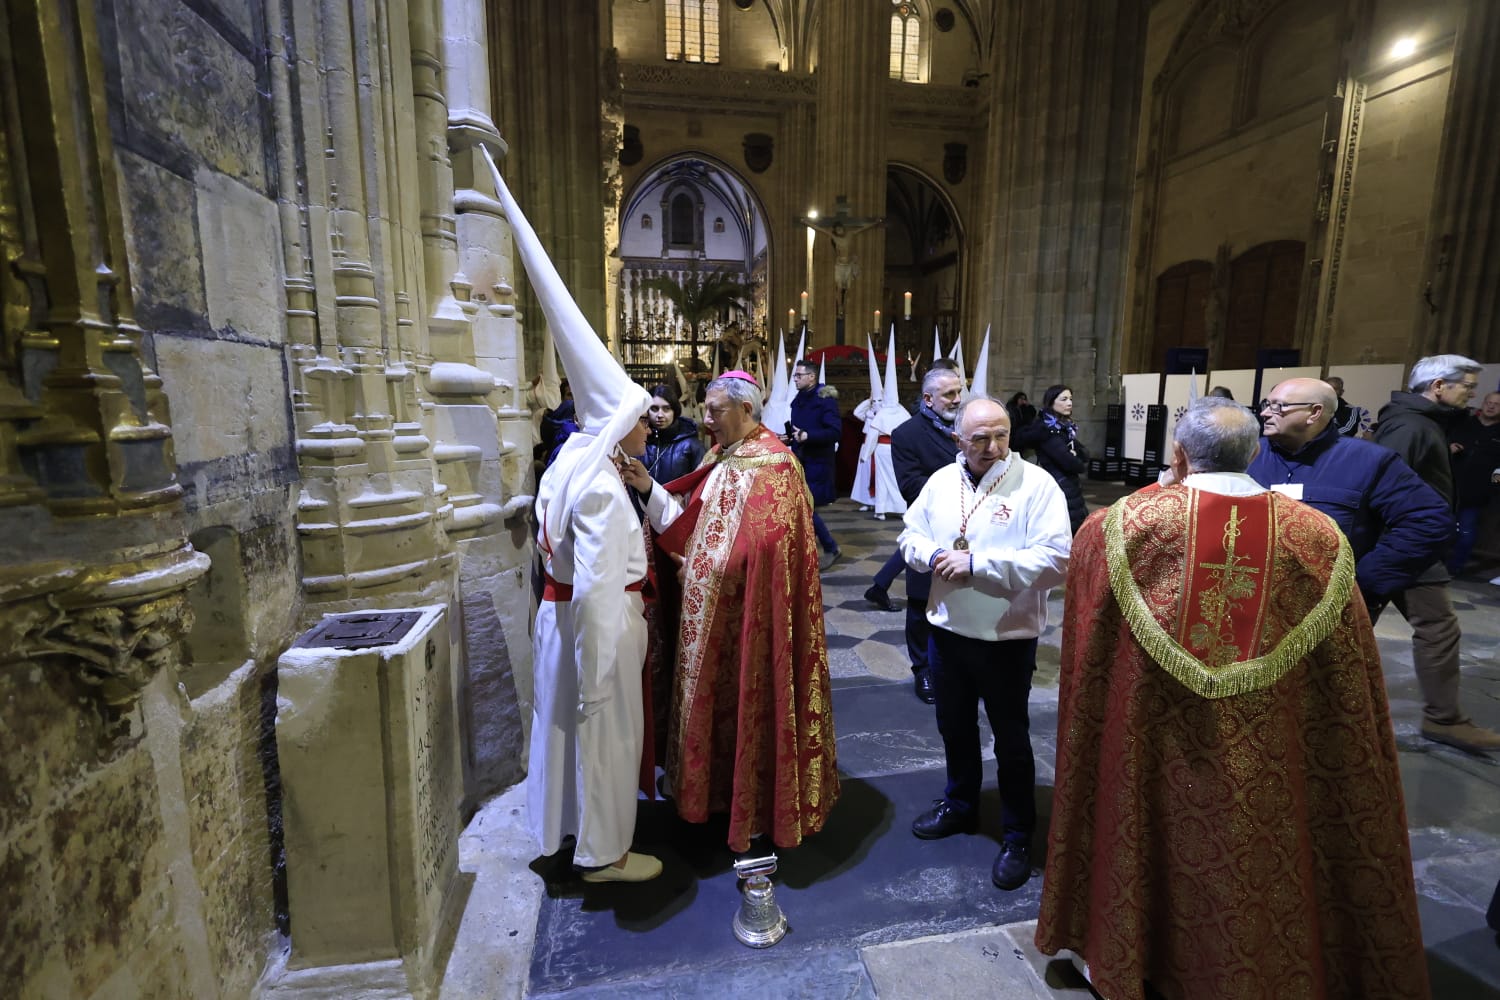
point(1058, 168)
point(496, 681)
point(447, 290)
point(1463, 249)
point(789, 199)
point(853, 65)
point(85, 414)
point(371, 515)
point(556, 173)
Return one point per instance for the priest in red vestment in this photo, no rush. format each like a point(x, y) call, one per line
point(1228, 818)
point(751, 727)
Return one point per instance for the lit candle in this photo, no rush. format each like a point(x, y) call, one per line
point(804, 304)
point(791, 317)
point(877, 320)
point(906, 301)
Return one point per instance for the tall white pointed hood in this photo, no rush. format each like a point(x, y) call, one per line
point(823, 370)
point(937, 345)
point(891, 413)
point(606, 401)
point(776, 412)
point(981, 386)
point(957, 357)
point(876, 391)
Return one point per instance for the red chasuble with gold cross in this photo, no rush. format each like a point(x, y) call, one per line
point(1228, 817)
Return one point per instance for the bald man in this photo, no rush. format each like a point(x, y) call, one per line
point(992, 533)
point(1397, 524)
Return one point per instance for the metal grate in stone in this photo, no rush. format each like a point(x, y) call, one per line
point(359, 630)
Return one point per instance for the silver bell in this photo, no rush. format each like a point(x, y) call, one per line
point(760, 922)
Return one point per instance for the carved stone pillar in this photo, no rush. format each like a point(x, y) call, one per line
point(371, 514)
point(853, 64)
point(86, 421)
point(1462, 261)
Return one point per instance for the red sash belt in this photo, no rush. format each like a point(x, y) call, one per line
point(884, 439)
point(554, 591)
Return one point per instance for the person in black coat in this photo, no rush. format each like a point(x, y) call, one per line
point(814, 436)
point(1021, 412)
point(920, 447)
point(674, 448)
point(1054, 438)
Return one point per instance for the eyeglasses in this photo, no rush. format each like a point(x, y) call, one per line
point(1276, 407)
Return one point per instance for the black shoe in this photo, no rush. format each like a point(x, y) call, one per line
point(944, 819)
point(921, 682)
point(1012, 867)
point(878, 596)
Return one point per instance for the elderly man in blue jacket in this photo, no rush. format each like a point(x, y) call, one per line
point(1396, 524)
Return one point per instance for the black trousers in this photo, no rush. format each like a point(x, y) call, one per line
point(965, 672)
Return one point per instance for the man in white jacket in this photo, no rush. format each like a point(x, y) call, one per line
point(994, 532)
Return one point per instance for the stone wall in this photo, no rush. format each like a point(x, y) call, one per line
point(1270, 121)
point(260, 360)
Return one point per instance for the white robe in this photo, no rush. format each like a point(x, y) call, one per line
point(861, 492)
point(887, 498)
point(588, 724)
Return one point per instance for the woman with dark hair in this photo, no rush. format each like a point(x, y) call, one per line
point(673, 449)
point(1054, 437)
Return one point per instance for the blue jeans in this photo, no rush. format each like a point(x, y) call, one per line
point(965, 671)
point(825, 537)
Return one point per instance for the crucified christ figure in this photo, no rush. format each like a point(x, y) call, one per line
point(839, 228)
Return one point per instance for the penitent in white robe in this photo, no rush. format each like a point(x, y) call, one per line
point(887, 498)
point(861, 492)
point(587, 722)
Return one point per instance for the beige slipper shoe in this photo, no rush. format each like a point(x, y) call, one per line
point(637, 868)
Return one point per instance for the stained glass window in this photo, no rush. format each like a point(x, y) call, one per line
point(693, 30)
point(906, 41)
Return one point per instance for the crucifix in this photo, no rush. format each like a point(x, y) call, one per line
point(840, 227)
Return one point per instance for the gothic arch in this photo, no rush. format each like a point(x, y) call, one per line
point(648, 180)
point(919, 207)
point(740, 249)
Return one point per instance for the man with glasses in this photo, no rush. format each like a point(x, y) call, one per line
point(1415, 425)
point(1396, 524)
point(992, 532)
